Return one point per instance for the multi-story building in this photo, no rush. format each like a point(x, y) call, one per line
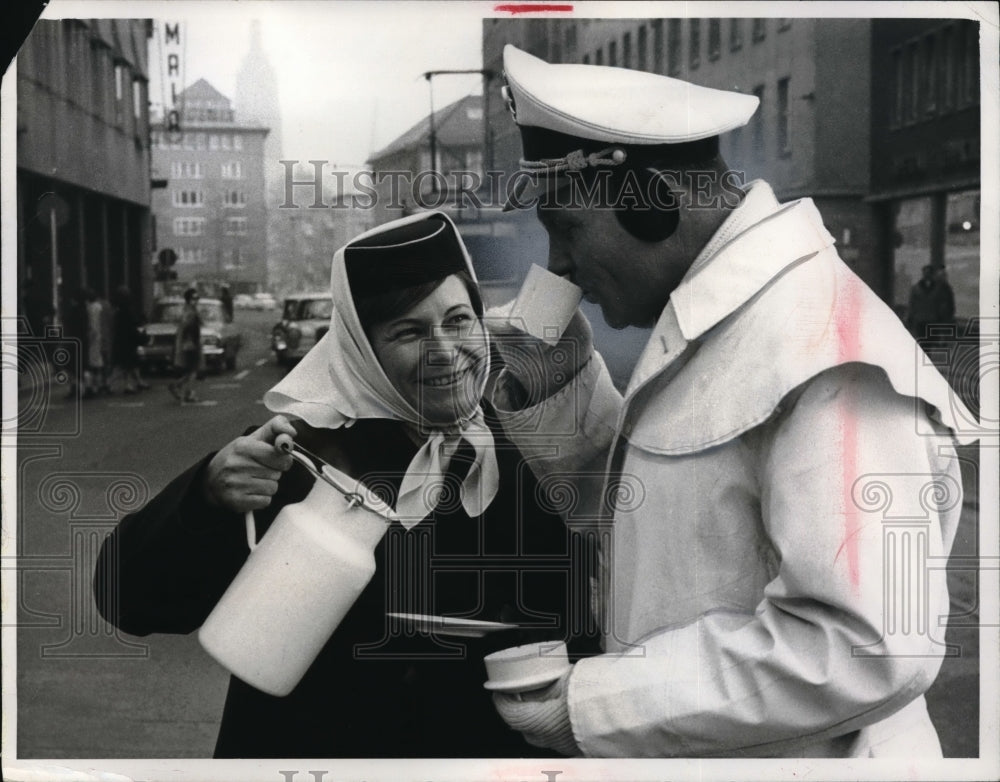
point(458, 145)
point(83, 187)
point(212, 211)
point(926, 154)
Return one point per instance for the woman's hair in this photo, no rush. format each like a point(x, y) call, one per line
point(373, 310)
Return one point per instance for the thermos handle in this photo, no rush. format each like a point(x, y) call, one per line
point(282, 442)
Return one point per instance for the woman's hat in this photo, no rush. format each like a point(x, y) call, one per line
point(404, 256)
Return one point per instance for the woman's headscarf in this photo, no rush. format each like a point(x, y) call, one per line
point(341, 381)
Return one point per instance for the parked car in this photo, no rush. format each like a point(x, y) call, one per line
point(305, 318)
point(220, 341)
point(243, 301)
point(264, 301)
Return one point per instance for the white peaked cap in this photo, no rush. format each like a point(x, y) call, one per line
point(618, 105)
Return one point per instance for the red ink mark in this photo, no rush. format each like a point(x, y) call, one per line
point(848, 349)
point(533, 8)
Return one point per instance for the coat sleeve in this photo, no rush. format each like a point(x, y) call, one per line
point(566, 438)
point(165, 566)
point(818, 658)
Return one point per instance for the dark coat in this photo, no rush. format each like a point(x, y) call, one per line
point(369, 694)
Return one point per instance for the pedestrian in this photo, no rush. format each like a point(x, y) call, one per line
point(374, 399)
point(75, 328)
point(95, 376)
point(741, 588)
point(932, 303)
point(187, 348)
point(227, 303)
point(126, 339)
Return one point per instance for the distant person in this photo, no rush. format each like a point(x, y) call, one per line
point(187, 348)
point(125, 341)
point(74, 317)
point(227, 303)
point(932, 302)
point(96, 351)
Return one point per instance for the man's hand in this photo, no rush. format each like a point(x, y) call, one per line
point(244, 475)
point(542, 716)
point(539, 368)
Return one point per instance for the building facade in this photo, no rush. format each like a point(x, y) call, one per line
point(83, 157)
point(212, 210)
point(405, 176)
point(926, 155)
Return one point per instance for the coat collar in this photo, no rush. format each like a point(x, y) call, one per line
point(739, 261)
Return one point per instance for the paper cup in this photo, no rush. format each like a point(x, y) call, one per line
point(528, 667)
point(545, 305)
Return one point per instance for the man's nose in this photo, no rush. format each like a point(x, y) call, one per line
point(559, 260)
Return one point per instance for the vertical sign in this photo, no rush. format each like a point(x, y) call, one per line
point(172, 52)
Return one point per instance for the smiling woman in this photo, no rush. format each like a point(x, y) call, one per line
point(391, 397)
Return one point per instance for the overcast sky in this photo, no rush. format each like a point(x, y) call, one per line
point(349, 73)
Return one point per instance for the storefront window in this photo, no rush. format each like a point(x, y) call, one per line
point(961, 251)
point(912, 239)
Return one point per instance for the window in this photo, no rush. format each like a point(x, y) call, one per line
point(234, 198)
point(896, 109)
point(757, 137)
point(759, 30)
point(735, 34)
point(181, 169)
point(784, 146)
point(714, 38)
point(191, 255)
point(137, 99)
point(970, 63)
point(627, 50)
point(570, 40)
point(674, 47)
point(236, 226)
point(658, 64)
point(642, 45)
point(225, 141)
point(613, 54)
point(237, 142)
point(912, 102)
point(930, 76)
point(199, 141)
point(189, 226)
point(232, 170)
point(947, 60)
point(599, 57)
point(188, 197)
point(694, 52)
point(119, 81)
point(213, 141)
point(586, 59)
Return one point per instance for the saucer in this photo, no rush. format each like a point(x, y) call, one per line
point(535, 682)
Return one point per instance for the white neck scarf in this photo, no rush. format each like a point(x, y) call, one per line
point(341, 381)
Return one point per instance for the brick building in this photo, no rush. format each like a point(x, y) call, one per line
point(213, 211)
point(83, 187)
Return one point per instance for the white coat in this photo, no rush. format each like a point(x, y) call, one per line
point(782, 471)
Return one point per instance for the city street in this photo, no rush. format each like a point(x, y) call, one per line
point(85, 691)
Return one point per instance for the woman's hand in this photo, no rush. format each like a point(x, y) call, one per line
point(244, 475)
point(542, 369)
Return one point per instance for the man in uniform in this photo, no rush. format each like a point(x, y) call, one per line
point(778, 415)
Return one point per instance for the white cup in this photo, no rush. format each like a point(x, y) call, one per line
point(523, 668)
point(545, 305)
